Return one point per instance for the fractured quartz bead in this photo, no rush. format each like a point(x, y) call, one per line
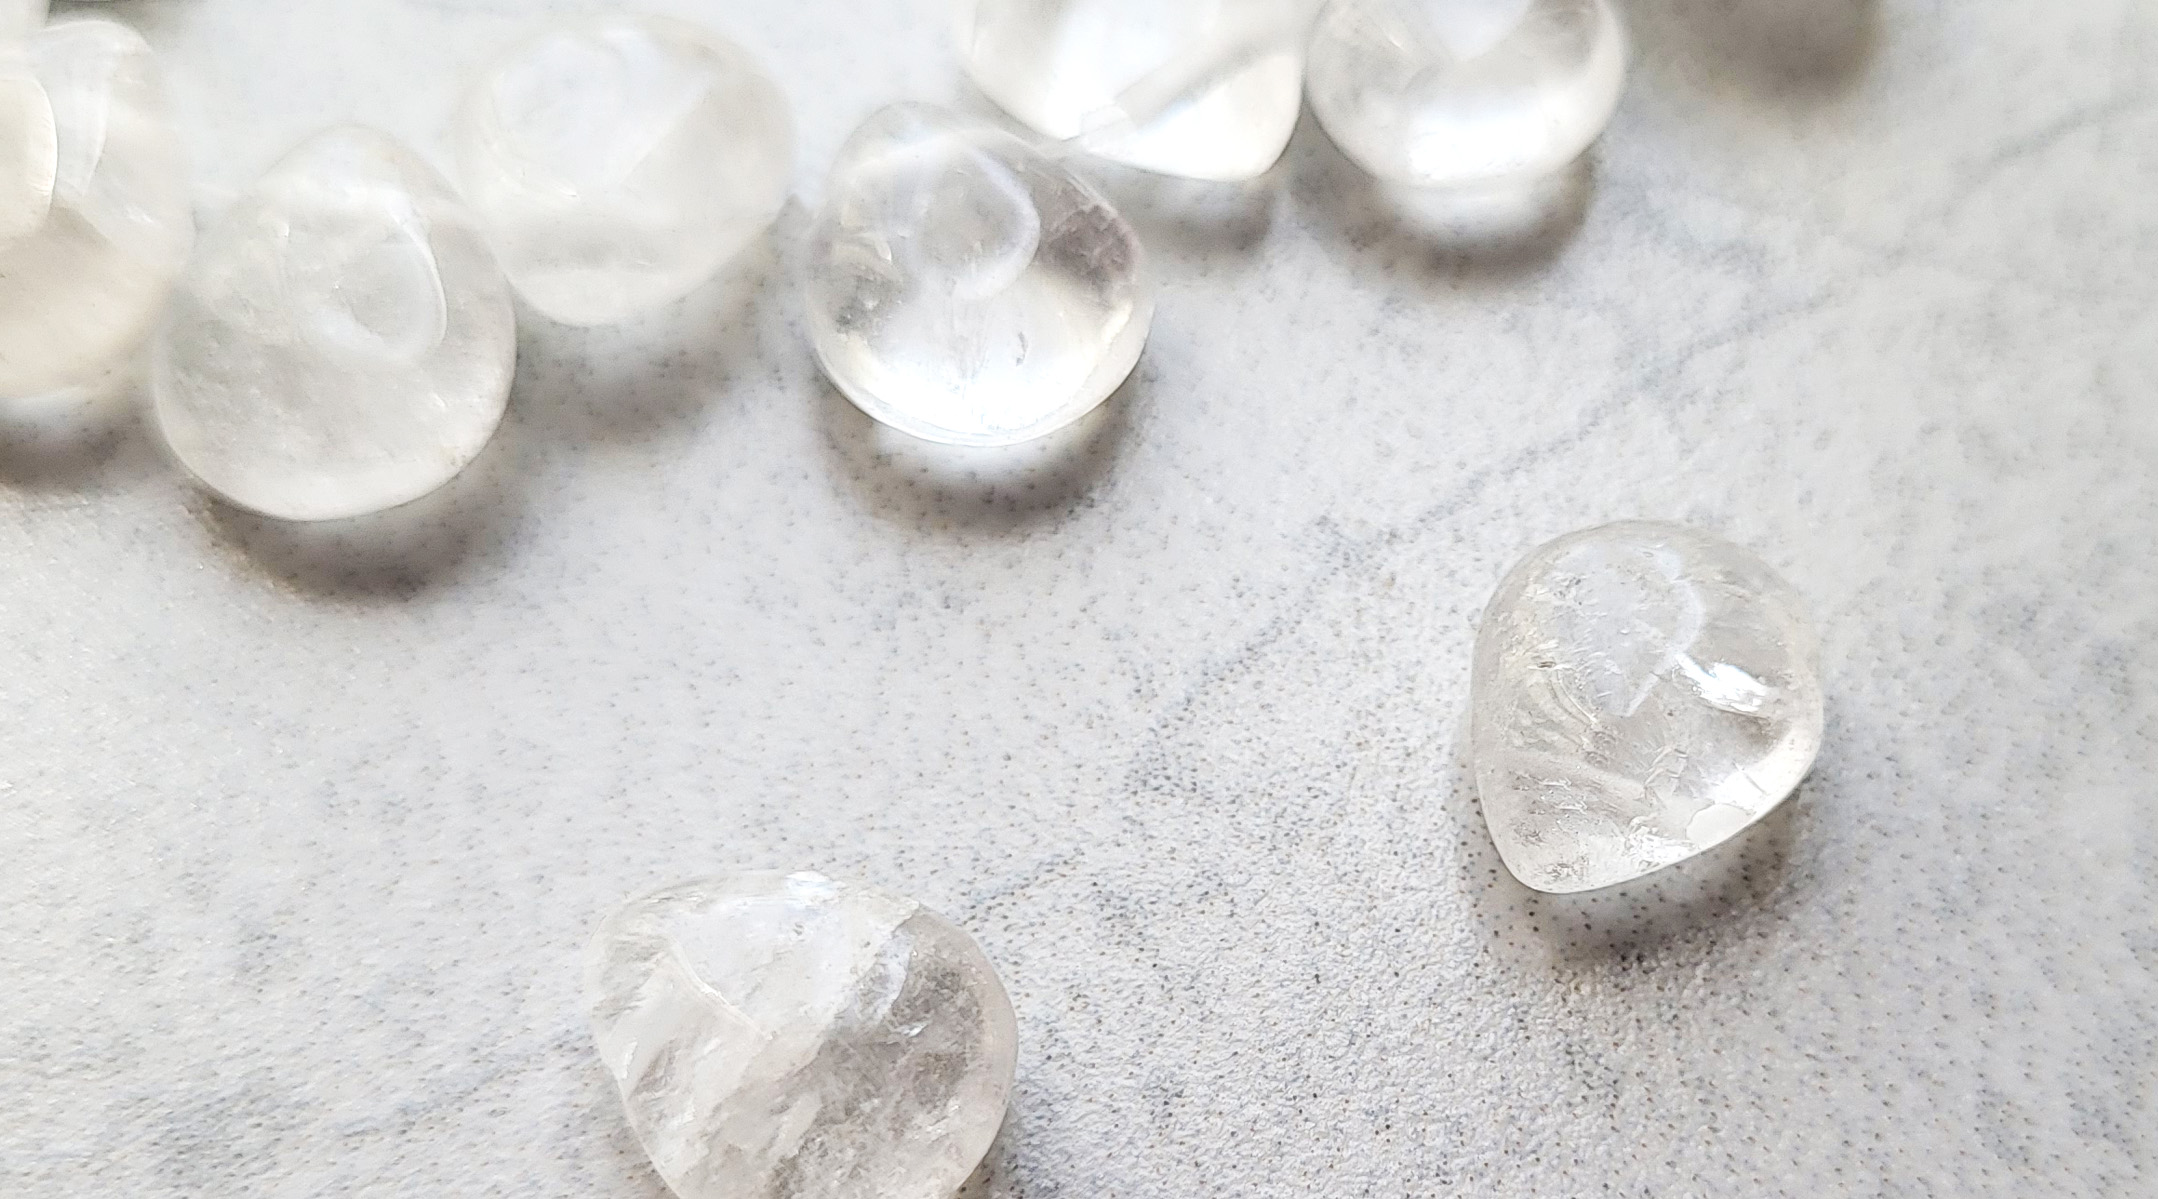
point(784, 1036)
point(343, 341)
point(1642, 693)
point(1444, 93)
point(95, 220)
point(1206, 89)
point(962, 287)
point(619, 163)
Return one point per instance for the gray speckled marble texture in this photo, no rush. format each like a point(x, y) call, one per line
point(304, 829)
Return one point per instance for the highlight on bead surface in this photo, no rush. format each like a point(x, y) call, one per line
point(95, 220)
point(618, 163)
point(963, 287)
point(1447, 93)
point(343, 341)
point(1195, 88)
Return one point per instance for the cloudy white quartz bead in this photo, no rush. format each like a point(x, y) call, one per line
point(618, 163)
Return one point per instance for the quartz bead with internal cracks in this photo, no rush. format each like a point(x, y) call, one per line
point(1642, 693)
point(784, 1036)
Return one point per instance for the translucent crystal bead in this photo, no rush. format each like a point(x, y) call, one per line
point(964, 288)
point(788, 1037)
point(95, 220)
point(1642, 693)
point(1207, 89)
point(342, 343)
point(618, 163)
point(1442, 93)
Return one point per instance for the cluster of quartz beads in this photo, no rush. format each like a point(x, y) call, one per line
point(1207, 89)
point(95, 221)
point(1445, 93)
point(965, 288)
point(343, 341)
point(619, 163)
point(784, 1036)
point(1642, 693)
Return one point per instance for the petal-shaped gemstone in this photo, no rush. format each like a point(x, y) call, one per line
point(783, 1036)
point(1441, 93)
point(95, 220)
point(342, 343)
point(619, 162)
point(962, 287)
point(1207, 89)
point(1642, 693)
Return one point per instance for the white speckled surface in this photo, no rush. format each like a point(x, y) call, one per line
point(304, 830)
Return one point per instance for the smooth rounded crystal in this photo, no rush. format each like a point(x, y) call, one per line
point(1442, 93)
point(964, 288)
point(618, 163)
point(342, 343)
point(783, 1036)
point(1206, 89)
point(1642, 693)
point(95, 220)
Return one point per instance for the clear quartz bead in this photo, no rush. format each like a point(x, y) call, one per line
point(1206, 89)
point(783, 1036)
point(618, 163)
point(95, 220)
point(1642, 693)
point(1445, 93)
point(962, 287)
point(342, 343)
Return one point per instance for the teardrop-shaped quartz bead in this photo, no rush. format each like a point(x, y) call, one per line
point(95, 220)
point(1206, 89)
point(618, 163)
point(1443, 93)
point(1642, 693)
point(342, 343)
point(963, 287)
point(783, 1036)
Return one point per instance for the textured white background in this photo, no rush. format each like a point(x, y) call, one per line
point(304, 829)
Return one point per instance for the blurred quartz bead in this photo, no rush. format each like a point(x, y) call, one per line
point(1207, 89)
point(1442, 93)
point(343, 342)
point(964, 288)
point(618, 163)
point(94, 214)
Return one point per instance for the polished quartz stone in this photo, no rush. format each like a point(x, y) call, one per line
point(95, 220)
point(619, 163)
point(1642, 693)
point(783, 1036)
point(342, 343)
point(1442, 93)
point(1207, 89)
point(964, 288)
